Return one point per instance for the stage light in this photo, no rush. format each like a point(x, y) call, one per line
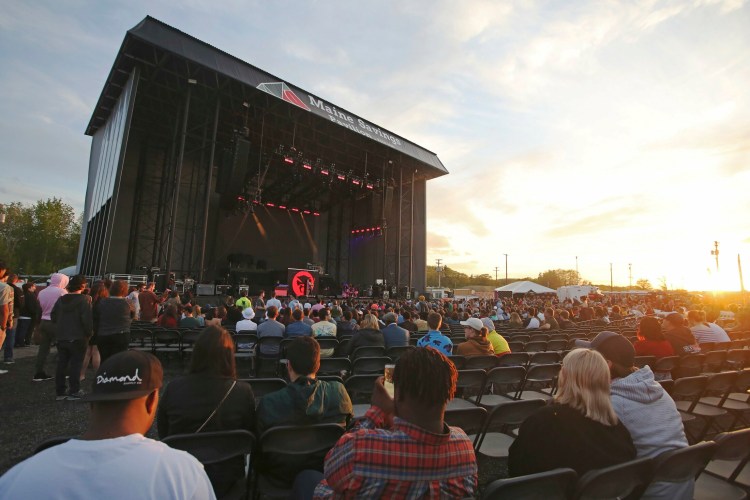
point(369, 186)
point(356, 182)
point(316, 214)
point(270, 204)
point(341, 177)
point(288, 159)
point(240, 198)
point(307, 165)
point(283, 207)
point(324, 171)
point(306, 212)
point(295, 210)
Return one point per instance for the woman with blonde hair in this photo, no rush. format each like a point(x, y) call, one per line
point(515, 320)
point(579, 429)
point(369, 334)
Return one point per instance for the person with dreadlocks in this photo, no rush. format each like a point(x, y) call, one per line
point(402, 444)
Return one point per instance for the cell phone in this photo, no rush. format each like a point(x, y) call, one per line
point(388, 379)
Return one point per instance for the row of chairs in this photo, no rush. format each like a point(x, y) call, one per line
point(631, 479)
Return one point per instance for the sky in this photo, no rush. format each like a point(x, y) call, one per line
point(588, 132)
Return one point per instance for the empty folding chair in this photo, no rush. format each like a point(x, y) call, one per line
point(539, 337)
point(516, 346)
point(396, 352)
point(513, 359)
point(368, 352)
point(470, 420)
point(335, 366)
point(682, 465)
point(625, 480)
point(328, 345)
point(267, 353)
point(536, 346)
point(188, 339)
point(167, 342)
point(538, 378)
point(487, 362)
point(520, 338)
point(686, 392)
point(544, 358)
point(718, 385)
point(469, 383)
point(714, 361)
point(557, 345)
point(641, 361)
point(736, 359)
point(495, 438)
point(664, 366)
point(360, 389)
point(728, 472)
point(375, 364)
point(458, 361)
point(690, 366)
point(263, 386)
point(556, 484)
point(731, 400)
point(504, 382)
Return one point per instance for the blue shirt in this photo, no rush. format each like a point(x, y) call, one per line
point(438, 341)
point(394, 335)
point(298, 329)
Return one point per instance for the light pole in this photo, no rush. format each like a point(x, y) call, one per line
point(578, 276)
point(611, 288)
point(506, 268)
point(439, 270)
point(630, 275)
point(496, 270)
point(715, 253)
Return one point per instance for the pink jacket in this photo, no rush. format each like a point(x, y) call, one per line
point(54, 291)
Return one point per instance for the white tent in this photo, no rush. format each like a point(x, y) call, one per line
point(524, 287)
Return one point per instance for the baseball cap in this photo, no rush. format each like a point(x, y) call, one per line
point(126, 375)
point(248, 313)
point(488, 323)
point(613, 347)
point(474, 323)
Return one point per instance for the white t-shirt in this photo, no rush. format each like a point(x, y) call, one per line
point(274, 302)
point(121, 468)
point(246, 325)
point(534, 323)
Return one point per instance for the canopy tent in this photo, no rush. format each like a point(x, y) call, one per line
point(524, 287)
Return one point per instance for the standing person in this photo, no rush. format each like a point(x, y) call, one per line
point(75, 325)
point(115, 317)
point(274, 301)
point(434, 338)
point(121, 463)
point(97, 292)
point(31, 314)
point(10, 339)
point(580, 429)
point(189, 321)
point(134, 301)
point(209, 398)
point(243, 302)
point(259, 305)
point(6, 306)
point(149, 303)
point(47, 299)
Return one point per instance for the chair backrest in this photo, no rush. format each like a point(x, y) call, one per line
point(167, 336)
point(334, 366)
point(513, 359)
point(689, 389)
point(396, 352)
point(470, 379)
point(244, 342)
point(513, 413)
point(458, 361)
point(641, 361)
point(625, 480)
point(557, 344)
point(683, 464)
point(213, 447)
point(516, 346)
point(555, 484)
point(666, 364)
point(721, 383)
point(263, 386)
point(264, 343)
point(286, 450)
point(471, 420)
point(51, 442)
point(732, 445)
point(361, 386)
point(370, 351)
point(327, 342)
point(505, 379)
point(486, 362)
point(544, 358)
point(375, 364)
point(690, 365)
point(714, 360)
point(536, 346)
point(543, 373)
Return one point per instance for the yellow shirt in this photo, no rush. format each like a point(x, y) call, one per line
point(498, 343)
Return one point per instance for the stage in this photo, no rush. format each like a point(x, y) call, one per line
point(209, 168)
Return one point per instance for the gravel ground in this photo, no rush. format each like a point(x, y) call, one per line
point(30, 414)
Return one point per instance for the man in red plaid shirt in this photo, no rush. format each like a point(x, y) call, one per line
point(402, 448)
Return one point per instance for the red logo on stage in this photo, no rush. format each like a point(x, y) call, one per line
point(283, 92)
point(303, 283)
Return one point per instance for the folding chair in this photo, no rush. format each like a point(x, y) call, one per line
point(690, 366)
point(469, 383)
point(272, 355)
point(395, 352)
point(539, 337)
point(244, 345)
point(664, 367)
point(328, 344)
point(375, 364)
point(458, 361)
point(513, 359)
point(543, 376)
point(516, 346)
point(216, 448)
point(641, 361)
point(536, 346)
point(556, 484)
point(335, 366)
point(718, 384)
point(360, 389)
point(683, 465)
point(285, 451)
point(521, 338)
point(167, 342)
point(487, 362)
point(734, 405)
point(470, 420)
point(505, 382)
point(544, 358)
point(368, 352)
point(736, 359)
point(625, 480)
point(188, 339)
point(727, 473)
point(140, 340)
point(686, 392)
point(495, 438)
point(557, 344)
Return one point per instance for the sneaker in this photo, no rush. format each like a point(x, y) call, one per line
point(9, 362)
point(61, 398)
point(3, 372)
point(41, 377)
point(75, 396)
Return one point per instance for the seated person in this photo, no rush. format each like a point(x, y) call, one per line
point(476, 339)
point(703, 331)
point(368, 334)
point(421, 321)
point(408, 324)
point(499, 343)
point(271, 328)
point(651, 341)
point(580, 429)
point(346, 326)
point(393, 334)
point(189, 321)
point(121, 462)
point(325, 328)
point(298, 328)
point(434, 338)
point(246, 324)
point(565, 322)
point(188, 403)
point(682, 339)
point(306, 400)
point(402, 444)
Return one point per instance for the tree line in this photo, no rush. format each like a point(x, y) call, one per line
point(39, 238)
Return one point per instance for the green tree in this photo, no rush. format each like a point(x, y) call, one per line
point(555, 278)
point(643, 284)
point(40, 238)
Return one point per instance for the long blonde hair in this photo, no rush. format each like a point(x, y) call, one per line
point(584, 385)
point(370, 321)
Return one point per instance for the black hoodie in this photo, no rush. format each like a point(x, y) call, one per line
point(73, 317)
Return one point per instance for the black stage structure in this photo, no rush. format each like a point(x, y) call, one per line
point(207, 167)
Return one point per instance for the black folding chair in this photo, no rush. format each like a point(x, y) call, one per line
point(263, 386)
point(625, 480)
point(514, 359)
point(335, 366)
point(368, 352)
point(496, 438)
point(720, 478)
point(396, 352)
point(684, 464)
point(360, 389)
point(468, 384)
point(538, 378)
point(370, 365)
point(501, 385)
point(486, 362)
point(267, 352)
point(470, 420)
point(556, 484)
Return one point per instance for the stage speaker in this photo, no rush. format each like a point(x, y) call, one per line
point(233, 168)
point(388, 198)
point(161, 282)
point(205, 289)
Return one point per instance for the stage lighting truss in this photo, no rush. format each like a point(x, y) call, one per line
point(292, 157)
point(362, 231)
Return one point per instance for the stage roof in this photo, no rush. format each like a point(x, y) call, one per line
point(320, 128)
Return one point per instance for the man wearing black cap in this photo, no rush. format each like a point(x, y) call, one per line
point(113, 459)
point(644, 408)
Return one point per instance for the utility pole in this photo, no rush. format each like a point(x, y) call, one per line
point(611, 288)
point(439, 270)
point(630, 276)
point(715, 253)
point(506, 268)
point(742, 283)
point(496, 270)
point(578, 276)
